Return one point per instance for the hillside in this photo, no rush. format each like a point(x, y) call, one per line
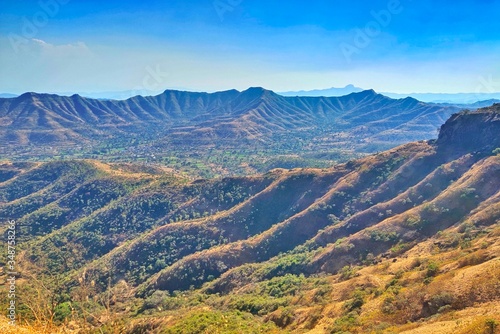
point(404, 241)
point(225, 133)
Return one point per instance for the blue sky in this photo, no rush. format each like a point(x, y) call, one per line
point(400, 46)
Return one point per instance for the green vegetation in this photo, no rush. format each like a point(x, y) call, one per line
point(387, 243)
point(219, 322)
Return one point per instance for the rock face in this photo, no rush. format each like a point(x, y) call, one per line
point(472, 131)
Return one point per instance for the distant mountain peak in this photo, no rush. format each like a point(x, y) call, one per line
point(256, 90)
point(28, 96)
point(166, 91)
point(365, 93)
point(34, 95)
point(328, 92)
point(369, 91)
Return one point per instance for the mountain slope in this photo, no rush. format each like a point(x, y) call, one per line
point(407, 235)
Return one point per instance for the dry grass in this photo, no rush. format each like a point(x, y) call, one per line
point(473, 320)
point(7, 328)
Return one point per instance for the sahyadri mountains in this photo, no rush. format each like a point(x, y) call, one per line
point(405, 240)
point(220, 134)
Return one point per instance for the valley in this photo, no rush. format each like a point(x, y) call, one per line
point(401, 241)
point(228, 133)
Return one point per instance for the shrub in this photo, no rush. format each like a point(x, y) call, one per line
point(400, 248)
point(347, 272)
point(345, 324)
point(491, 324)
point(388, 306)
point(468, 193)
point(159, 300)
point(201, 322)
point(412, 221)
point(258, 305)
point(432, 269)
point(356, 301)
point(282, 286)
point(439, 303)
point(383, 236)
point(62, 311)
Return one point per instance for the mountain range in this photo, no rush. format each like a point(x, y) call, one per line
point(329, 92)
point(405, 240)
point(461, 99)
point(364, 121)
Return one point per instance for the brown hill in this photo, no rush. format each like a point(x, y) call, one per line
point(405, 240)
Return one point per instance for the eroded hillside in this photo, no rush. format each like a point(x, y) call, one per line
point(402, 241)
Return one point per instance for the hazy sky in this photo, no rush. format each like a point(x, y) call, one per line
point(398, 46)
